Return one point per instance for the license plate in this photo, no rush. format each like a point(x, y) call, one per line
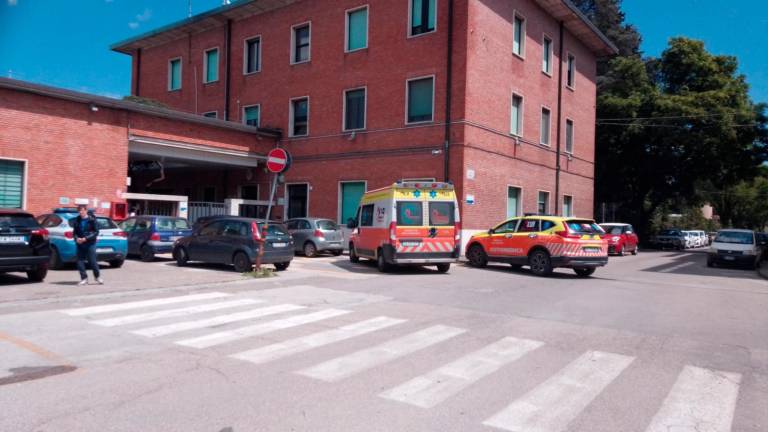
point(409, 243)
point(277, 245)
point(591, 249)
point(730, 258)
point(174, 238)
point(13, 239)
point(102, 250)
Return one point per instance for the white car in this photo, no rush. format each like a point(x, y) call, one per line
point(736, 246)
point(690, 239)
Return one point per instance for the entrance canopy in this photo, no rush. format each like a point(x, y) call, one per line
point(180, 154)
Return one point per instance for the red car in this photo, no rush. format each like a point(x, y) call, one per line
point(621, 238)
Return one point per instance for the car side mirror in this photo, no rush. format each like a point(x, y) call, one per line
point(352, 224)
point(490, 231)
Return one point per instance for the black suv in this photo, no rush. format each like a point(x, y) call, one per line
point(24, 245)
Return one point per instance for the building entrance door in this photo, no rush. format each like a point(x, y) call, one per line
point(297, 200)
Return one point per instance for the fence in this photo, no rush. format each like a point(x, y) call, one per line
point(201, 209)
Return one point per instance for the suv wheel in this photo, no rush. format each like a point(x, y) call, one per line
point(182, 258)
point(147, 254)
point(310, 250)
point(241, 262)
point(381, 263)
point(540, 263)
point(38, 274)
point(353, 254)
point(476, 256)
point(443, 268)
point(55, 261)
point(584, 272)
point(282, 266)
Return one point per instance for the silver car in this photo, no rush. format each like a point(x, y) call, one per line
point(314, 235)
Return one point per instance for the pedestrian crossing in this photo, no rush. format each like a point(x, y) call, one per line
point(700, 399)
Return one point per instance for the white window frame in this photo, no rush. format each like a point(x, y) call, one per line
point(573, 135)
point(242, 117)
point(519, 201)
point(517, 14)
point(407, 97)
point(340, 196)
point(290, 116)
point(549, 126)
point(344, 109)
point(170, 73)
point(25, 173)
point(205, 64)
point(293, 43)
point(286, 197)
point(410, 12)
point(346, 27)
point(522, 114)
point(568, 57)
point(549, 197)
point(572, 205)
point(545, 38)
point(216, 114)
point(245, 54)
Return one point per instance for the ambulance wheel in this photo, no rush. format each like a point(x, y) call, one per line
point(353, 258)
point(443, 268)
point(381, 263)
point(584, 272)
point(540, 263)
point(476, 256)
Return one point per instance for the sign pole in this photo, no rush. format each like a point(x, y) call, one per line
point(278, 161)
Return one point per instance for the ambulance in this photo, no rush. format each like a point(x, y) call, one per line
point(407, 223)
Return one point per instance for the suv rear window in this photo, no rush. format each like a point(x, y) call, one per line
point(584, 227)
point(409, 213)
point(327, 225)
point(17, 221)
point(441, 213)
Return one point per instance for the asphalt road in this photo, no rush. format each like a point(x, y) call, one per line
point(654, 342)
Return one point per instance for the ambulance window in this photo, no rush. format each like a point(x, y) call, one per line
point(366, 215)
point(409, 213)
point(441, 213)
point(528, 225)
point(545, 225)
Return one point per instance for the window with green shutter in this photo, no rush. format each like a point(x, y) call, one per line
point(11, 184)
point(420, 93)
point(423, 16)
point(212, 65)
point(357, 29)
point(351, 192)
point(174, 74)
point(251, 115)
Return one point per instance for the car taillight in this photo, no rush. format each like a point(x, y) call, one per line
point(42, 232)
point(69, 234)
point(125, 234)
point(567, 234)
point(155, 237)
point(255, 231)
point(457, 231)
point(392, 232)
point(319, 234)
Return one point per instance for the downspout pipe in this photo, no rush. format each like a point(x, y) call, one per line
point(448, 85)
point(559, 121)
point(228, 44)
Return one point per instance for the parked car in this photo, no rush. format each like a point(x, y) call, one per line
point(111, 245)
point(621, 238)
point(670, 238)
point(690, 239)
point(703, 239)
point(312, 236)
point(542, 243)
point(151, 235)
point(24, 245)
point(236, 241)
point(736, 246)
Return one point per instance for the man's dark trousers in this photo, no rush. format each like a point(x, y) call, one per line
point(87, 251)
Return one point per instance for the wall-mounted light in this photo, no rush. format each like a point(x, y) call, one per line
point(351, 136)
point(436, 152)
point(93, 107)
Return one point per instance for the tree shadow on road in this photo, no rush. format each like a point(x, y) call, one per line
point(694, 263)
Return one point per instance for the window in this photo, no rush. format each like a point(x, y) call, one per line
point(516, 122)
point(567, 206)
point(518, 37)
point(366, 215)
point(546, 63)
point(543, 203)
point(569, 136)
point(249, 192)
point(409, 213)
point(507, 227)
point(252, 115)
point(174, 74)
point(357, 29)
point(11, 184)
point(252, 55)
point(211, 114)
point(423, 13)
point(441, 213)
point(299, 117)
point(545, 126)
point(513, 201)
point(300, 40)
point(211, 66)
point(528, 225)
point(570, 78)
point(351, 192)
point(419, 100)
point(354, 109)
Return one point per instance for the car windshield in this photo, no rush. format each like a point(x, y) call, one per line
point(171, 224)
point(17, 221)
point(583, 227)
point(670, 233)
point(611, 229)
point(734, 237)
point(327, 225)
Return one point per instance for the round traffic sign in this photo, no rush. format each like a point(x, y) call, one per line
point(278, 160)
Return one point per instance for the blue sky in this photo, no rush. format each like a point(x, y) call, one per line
point(65, 42)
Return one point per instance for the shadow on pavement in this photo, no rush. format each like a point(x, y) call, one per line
point(14, 279)
point(694, 262)
point(559, 273)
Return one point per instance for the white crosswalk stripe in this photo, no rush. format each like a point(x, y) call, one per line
point(294, 346)
point(143, 303)
point(551, 406)
point(346, 366)
point(259, 329)
point(217, 320)
point(701, 400)
point(438, 385)
point(172, 313)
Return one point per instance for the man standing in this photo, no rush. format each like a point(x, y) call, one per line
point(86, 232)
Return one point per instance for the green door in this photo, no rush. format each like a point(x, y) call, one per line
point(350, 198)
point(11, 183)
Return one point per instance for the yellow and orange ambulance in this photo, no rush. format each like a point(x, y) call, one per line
point(407, 223)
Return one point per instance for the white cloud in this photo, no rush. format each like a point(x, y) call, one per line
point(144, 16)
point(13, 2)
point(133, 25)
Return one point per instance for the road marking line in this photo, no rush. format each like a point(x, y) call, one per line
point(171, 313)
point(346, 366)
point(290, 347)
point(259, 329)
point(217, 320)
point(701, 399)
point(552, 405)
point(143, 303)
point(438, 385)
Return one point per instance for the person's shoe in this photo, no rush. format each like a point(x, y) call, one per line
point(100, 281)
point(83, 282)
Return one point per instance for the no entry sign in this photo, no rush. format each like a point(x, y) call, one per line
point(278, 160)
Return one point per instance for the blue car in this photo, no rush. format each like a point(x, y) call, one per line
point(151, 235)
point(111, 245)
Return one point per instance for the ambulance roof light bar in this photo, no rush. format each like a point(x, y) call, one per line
point(424, 184)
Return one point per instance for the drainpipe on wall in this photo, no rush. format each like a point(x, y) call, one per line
point(138, 72)
point(227, 46)
point(559, 121)
point(448, 84)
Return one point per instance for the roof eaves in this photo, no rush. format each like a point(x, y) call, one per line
point(610, 45)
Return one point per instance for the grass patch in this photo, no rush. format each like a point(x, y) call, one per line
point(264, 272)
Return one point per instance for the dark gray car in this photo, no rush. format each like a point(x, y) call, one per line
point(315, 235)
point(234, 240)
